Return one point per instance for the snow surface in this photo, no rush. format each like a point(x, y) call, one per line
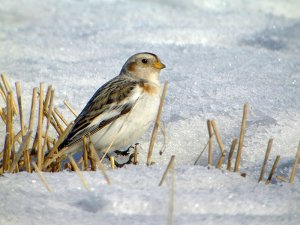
point(201, 197)
point(219, 55)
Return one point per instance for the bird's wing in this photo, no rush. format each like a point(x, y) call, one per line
point(114, 99)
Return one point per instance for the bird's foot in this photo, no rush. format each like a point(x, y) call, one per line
point(123, 153)
point(129, 161)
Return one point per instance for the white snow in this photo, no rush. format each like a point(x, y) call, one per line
point(201, 197)
point(219, 55)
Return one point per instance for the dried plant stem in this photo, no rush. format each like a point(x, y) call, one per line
point(233, 144)
point(49, 143)
point(8, 89)
point(27, 158)
point(263, 168)
point(93, 161)
point(2, 92)
point(40, 127)
point(51, 159)
point(32, 112)
point(80, 162)
point(198, 158)
point(49, 138)
point(18, 136)
point(20, 152)
point(79, 173)
point(273, 169)
point(33, 103)
point(18, 89)
point(112, 162)
point(47, 98)
point(85, 154)
point(49, 113)
point(70, 108)
point(43, 179)
point(35, 142)
point(241, 140)
point(9, 142)
point(99, 163)
point(57, 125)
point(62, 118)
point(292, 176)
point(170, 165)
point(58, 142)
point(281, 178)
point(9, 116)
point(24, 151)
point(6, 153)
point(210, 147)
point(220, 143)
point(155, 128)
point(135, 156)
point(3, 116)
point(163, 132)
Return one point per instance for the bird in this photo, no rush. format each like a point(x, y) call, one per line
point(122, 109)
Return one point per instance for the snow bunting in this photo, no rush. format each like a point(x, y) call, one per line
point(122, 110)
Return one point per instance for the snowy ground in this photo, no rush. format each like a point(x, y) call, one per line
point(201, 197)
point(219, 54)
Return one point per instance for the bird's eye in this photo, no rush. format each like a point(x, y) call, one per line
point(144, 61)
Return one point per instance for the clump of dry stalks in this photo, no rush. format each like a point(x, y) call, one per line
point(213, 131)
point(36, 146)
point(38, 150)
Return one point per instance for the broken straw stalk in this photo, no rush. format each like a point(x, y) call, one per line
point(219, 140)
point(262, 173)
point(8, 89)
point(40, 126)
point(241, 140)
point(292, 177)
point(273, 169)
point(233, 144)
point(77, 170)
point(43, 179)
point(155, 128)
point(24, 149)
point(210, 134)
point(169, 167)
point(85, 154)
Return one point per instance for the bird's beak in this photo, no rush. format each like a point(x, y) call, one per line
point(159, 65)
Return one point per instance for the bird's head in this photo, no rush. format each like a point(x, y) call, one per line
point(144, 66)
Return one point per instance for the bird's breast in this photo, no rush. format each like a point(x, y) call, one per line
point(150, 89)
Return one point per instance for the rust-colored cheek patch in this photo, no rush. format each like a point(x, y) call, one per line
point(150, 89)
point(131, 67)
